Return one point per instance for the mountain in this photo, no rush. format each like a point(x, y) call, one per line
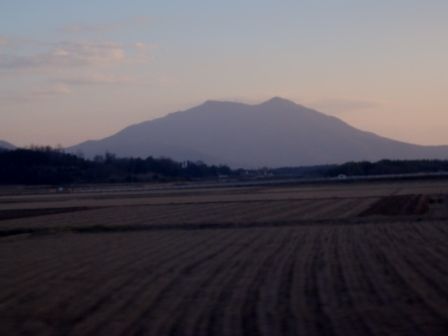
point(4, 145)
point(276, 133)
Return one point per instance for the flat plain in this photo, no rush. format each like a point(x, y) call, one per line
point(364, 258)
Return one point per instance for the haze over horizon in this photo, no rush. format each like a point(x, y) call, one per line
point(77, 71)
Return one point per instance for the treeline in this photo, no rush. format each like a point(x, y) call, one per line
point(305, 172)
point(46, 165)
point(364, 168)
point(388, 167)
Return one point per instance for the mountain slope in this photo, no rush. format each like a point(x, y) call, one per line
point(275, 133)
point(4, 145)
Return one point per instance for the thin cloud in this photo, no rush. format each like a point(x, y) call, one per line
point(96, 79)
point(53, 90)
point(63, 66)
point(65, 54)
point(143, 51)
point(29, 96)
point(106, 27)
point(3, 41)
point(342, 105)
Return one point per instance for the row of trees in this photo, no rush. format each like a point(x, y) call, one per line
point(52, 166)
point(364, 168)
point(46, 165)
point(388, 167)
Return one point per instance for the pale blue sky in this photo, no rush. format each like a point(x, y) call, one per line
point(76, 70)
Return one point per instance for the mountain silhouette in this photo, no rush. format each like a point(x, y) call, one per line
point(275, 133)
point(4, 145)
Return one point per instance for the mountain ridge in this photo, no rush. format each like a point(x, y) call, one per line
point(5, 145)
point(274, 133)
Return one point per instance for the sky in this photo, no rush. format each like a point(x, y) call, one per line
point(77, 70)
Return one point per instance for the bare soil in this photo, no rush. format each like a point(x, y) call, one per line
point(338, 260)
point(402, 205)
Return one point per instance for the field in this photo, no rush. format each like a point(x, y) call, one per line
point(328, 259)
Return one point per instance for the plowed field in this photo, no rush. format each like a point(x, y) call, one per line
point(339, 264)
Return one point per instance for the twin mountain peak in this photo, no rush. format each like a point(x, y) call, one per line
point(275, 133)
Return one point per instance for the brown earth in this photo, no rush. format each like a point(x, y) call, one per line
point(334, 260)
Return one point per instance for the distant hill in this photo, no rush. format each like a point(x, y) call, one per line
point(276, 133)
point(4, 145)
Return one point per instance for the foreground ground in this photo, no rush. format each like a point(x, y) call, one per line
point(348, 259)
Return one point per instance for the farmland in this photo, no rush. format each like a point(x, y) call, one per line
point(327, 259)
